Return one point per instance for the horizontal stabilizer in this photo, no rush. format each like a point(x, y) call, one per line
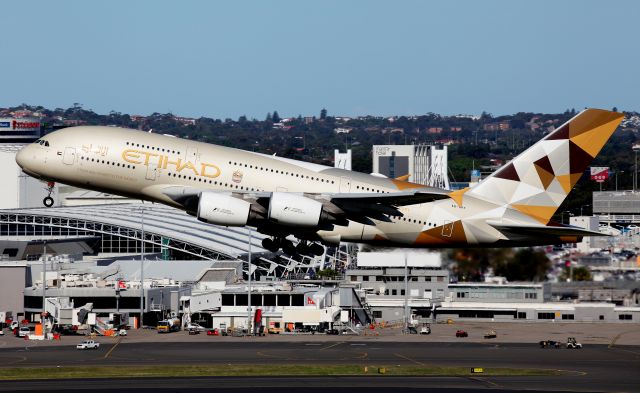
point(543, 230)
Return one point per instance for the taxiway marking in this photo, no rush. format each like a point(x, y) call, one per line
point(112, 348)
point(409, 359)
point(332, 345)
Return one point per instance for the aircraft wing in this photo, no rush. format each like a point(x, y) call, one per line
point(543, 230)
point(359, 207)
point(400, 198)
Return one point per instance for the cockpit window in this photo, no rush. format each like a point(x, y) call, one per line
point(42, 142)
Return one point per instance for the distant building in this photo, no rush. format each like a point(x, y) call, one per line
point(342, 130)
point(19, 130)
point(498, 126)
point(423, 164)
point(342, 160)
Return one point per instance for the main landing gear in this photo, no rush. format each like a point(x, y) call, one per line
point(48, 200)
point(302, 248)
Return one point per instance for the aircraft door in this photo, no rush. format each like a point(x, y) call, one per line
point(192, 154)
point(447, 229)
point(69, 156)
point(345, 184)
point(152, 172)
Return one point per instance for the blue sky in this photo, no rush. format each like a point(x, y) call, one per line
point(226, 59)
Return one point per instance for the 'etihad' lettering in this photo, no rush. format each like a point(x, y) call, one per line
point(146, 158)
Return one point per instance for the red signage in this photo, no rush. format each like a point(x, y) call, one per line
point(21, 125)
point(599, 173)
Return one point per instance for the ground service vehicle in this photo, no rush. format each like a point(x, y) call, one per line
point(168, 325)
point(425, 329)
point(550, 344)
point(490, 334)
point(23, 331)
point(573, 344)
point(461, 333)
point(88, 344)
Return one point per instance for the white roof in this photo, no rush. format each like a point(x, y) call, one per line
point(161, 220)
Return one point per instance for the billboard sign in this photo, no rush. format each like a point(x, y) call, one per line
point(11, 124)
point(599, 173)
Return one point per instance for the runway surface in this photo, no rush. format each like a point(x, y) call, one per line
point(594, 368)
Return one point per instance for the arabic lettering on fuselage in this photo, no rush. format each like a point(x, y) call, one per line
point(163, 161)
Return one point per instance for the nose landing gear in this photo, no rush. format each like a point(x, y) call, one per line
point(48, 200)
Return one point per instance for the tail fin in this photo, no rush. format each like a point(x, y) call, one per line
point(537, 181)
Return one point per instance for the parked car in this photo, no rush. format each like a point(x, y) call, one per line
point(88, 344)
point(195, 327)
point(461, 333)
point(1, 332)
point(122, 332)
point(490, 334)
point(23, 331)
point(213, 332)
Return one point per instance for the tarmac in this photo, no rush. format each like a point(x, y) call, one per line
point(609, 361)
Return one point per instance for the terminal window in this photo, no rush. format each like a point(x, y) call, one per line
point(625, 317)
point(546, 315)
point(377, 314)
point(522, 315)
point(567, 316)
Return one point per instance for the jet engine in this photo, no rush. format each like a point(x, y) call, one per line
point(295, 210)
point(223, 209)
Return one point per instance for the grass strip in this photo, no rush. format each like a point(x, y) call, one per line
point(255, 370)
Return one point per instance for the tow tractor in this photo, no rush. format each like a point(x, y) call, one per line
point(573, 344)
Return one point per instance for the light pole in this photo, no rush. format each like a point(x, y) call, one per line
point(44, 283)
point(617, 179)
point(249, 283)
point(562, 214)
point(142, 267)
point(407, 315)
point(635, 149)
point(582, 207)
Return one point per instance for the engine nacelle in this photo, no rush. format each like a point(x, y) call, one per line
point(294, 210)
point(223, 209)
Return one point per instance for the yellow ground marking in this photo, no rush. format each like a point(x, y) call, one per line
point(411, 360)
point(617, 337)
point(493, 384)
point(112, 348)
point(332, 345)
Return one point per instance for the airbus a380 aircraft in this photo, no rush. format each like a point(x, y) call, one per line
point(282, 197)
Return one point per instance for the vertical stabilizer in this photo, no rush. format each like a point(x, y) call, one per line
point(537, 181)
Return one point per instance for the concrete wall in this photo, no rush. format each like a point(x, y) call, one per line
point(12, 284)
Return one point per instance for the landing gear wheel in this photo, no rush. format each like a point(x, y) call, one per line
point(271, 244)
point(288, 247)
point(302, 249)
point(48, 201)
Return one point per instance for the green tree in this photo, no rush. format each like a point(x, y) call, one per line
point(580, 273)
point(323, 114)
point(275, 117)
point(527, 264)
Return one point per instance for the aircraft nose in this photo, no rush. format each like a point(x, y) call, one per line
point(24, 158)
point(21, 157)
